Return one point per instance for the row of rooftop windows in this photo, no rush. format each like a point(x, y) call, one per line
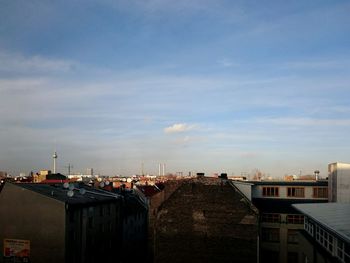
point(318, 192)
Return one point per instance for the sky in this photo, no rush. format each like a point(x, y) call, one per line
point(200, 85)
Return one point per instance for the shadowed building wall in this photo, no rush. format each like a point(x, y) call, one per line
point(206, 220)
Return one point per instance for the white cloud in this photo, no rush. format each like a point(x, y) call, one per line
point(13, 62)
point(178, 127)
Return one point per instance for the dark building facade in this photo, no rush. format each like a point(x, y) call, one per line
point(206, 220)
point(66, 224)
point(326, 234)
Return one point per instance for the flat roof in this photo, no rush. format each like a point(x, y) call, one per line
point(332, 216)
point(58, 192)
point(291, 183)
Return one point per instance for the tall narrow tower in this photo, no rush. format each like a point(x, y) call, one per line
point(54, 156)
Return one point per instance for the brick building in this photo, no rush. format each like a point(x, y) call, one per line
point(205, 220)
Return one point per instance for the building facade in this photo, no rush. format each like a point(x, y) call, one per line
point(279, 221)
point(60, 224)
point(326, 235)
point(339, 182)
point(205, 220)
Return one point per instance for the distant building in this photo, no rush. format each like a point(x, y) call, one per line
point(339, 182)
point(41, 176)
point(326, 237)
point(90, 172)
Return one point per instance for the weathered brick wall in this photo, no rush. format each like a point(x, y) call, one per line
point(154, 203)
point(205, 221)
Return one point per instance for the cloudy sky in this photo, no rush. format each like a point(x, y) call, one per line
point(201, 85)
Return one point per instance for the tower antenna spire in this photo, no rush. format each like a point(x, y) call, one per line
point(54, 156)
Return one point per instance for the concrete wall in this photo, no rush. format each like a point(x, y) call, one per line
point(283, 247)
point(339, 182)
point(30, 216)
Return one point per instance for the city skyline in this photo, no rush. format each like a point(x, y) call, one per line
point(209, 86)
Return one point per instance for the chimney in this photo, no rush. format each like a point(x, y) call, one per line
point(317, 172)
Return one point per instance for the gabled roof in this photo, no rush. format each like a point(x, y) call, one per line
point(148, 190)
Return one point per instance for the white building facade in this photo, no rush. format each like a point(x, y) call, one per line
point(339, 182)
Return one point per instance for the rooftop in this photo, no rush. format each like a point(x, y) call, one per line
point(292, 183)
point(59, 192)
point(332, 216)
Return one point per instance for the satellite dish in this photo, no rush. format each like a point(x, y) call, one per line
point(102, 184)
point(70, 193)
point(107, 182)
point(82, 191)
point(71, 187)
point(66, 185)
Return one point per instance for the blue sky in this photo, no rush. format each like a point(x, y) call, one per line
point(201, 85)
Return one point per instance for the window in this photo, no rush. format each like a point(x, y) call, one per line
point(292, 236)
point(295, 192)
point(270, 234)
point(309, 227)
point(320, 192)
point(270, 191)
point(270, 218)
point(325, 239)
point(343, 251)
point(295, 219)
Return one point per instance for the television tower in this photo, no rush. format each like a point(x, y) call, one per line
point(54, 156)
